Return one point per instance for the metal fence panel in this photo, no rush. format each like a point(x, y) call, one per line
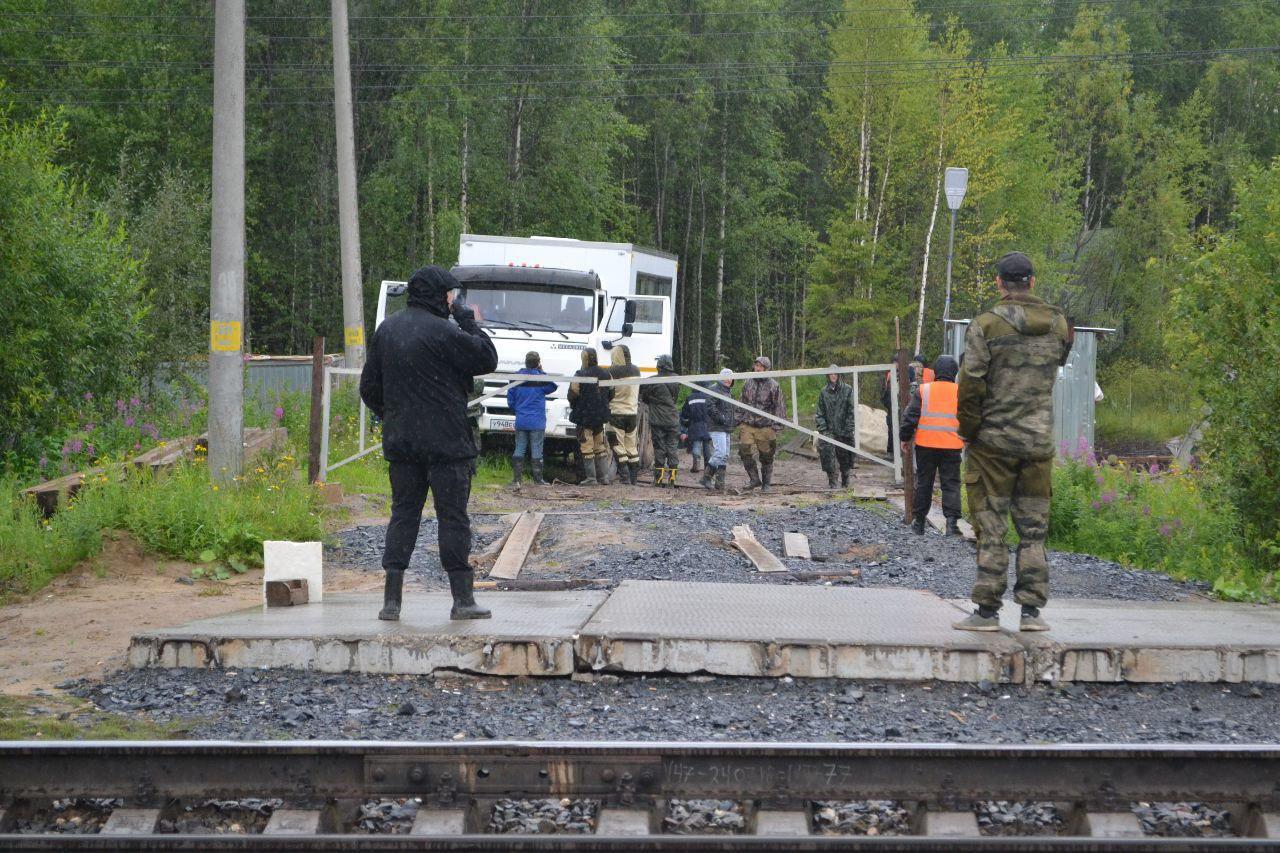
point(1074, 407)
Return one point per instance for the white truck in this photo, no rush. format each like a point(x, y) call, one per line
point(559, 296)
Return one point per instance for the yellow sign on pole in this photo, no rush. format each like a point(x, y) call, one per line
point(354, 336)
point(224, 335)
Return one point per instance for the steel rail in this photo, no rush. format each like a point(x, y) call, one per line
point(326, 780)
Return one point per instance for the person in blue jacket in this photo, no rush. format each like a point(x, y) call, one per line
point(529, 402)
point(693, 425)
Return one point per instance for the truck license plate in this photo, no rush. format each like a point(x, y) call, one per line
point(508, 424)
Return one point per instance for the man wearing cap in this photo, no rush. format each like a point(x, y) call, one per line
point(758, 435)
point(1005, 413)
point(835, 420)
point(417, 377)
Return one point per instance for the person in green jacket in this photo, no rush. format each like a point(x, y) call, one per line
point(835, 418)
point(1005, 408)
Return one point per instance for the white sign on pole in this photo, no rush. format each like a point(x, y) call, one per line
point(955, 183)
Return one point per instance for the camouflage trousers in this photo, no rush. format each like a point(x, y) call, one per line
point(999, 485)
point(835, 459)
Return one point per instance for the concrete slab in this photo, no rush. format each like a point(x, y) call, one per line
point(531, 633)
point(774, 630)
point(1094, 640)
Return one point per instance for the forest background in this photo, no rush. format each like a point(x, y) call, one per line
point(789, 151)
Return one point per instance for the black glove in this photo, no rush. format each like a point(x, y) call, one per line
point(464, 315)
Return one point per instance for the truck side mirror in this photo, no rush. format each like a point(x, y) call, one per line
point(629, 315)
point(627, 329)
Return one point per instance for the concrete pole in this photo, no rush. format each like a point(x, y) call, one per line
point(226, 297)
point(348, 205)
point(951, 249)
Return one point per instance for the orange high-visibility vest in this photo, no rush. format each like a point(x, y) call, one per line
point(928, 375)
point(939, 426)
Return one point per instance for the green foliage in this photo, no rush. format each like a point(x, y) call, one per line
point(175, 513)
point(1228, 339)
point(71, 311)
point(1144, 405)
point(1170, 522)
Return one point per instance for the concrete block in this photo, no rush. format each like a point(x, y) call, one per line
point(782, 823)
point(131, 822)
point(293, 822)
point(623, 822)
point(951, 824)
point(439, 822)
point(287, 561)
point(1112, 825)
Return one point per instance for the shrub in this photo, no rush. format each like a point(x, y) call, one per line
point(1168, 521)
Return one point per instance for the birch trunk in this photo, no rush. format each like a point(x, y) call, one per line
point(724, 212)
point(928, 243)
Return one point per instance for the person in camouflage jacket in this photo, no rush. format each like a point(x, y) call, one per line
point(758, 436)
point(1005, 409)
point(835, 420)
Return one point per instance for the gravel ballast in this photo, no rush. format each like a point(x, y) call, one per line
point(689, 541)
point(300, 705)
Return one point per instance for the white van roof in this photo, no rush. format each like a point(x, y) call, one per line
point(561, 241)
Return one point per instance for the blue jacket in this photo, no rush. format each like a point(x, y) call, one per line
point(693, 417)
point(529, 401)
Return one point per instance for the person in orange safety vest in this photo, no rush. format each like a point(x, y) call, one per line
point(931, 420)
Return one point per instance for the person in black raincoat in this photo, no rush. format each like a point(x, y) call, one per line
point(589, 412)
point(416, 379)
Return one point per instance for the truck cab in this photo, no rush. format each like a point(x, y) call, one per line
point(558, 297)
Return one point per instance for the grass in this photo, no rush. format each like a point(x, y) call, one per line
point(1143, 405)
point(176, 513)
point(1168, 521)
point(64, 718)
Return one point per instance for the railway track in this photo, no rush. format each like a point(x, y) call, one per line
point(307, 795)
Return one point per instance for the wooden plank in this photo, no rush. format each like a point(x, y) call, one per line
point(796, 545)
point(758, 554)
point(514, 553)
point(494, 548)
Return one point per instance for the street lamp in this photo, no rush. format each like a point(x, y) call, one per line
point(955, 183)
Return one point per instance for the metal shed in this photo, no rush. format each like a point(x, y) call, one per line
point(1073, 393)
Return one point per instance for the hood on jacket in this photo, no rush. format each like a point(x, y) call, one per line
point(589, 358)
point(619, 358)
point(428, 288)
point(764, 359)
point(665, 364)
point(945, 368)
point(1026, 313)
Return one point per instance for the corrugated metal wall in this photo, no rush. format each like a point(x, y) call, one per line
point(1073, 403)
point(267, 379)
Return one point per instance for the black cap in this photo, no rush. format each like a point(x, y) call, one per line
point(1014, 267)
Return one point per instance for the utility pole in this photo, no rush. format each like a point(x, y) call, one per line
point(226, 296)
point(348, 205)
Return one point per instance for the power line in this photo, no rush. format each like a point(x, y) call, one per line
point(937, 62)
point(711, 13)
point(734, 73)
point(1197, 8)
point(626, 96)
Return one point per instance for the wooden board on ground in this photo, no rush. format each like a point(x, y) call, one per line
point(938, 521)
point(516, 550)
point(763, 559)
point(796, 545)
point(49, 494)
point(494, 548)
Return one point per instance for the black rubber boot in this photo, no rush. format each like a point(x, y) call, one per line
point(753, 473)
point(588, 472)
point(844, 478)
point(517, 468)
point(953, 527)
point(461, 584)
point(708, 475)
point(602, 470)
point(671, 480)
point(537, 473)
point(917, 526)
point(720, 478)
point(697, 465)
point(391, 596)
point(831, 480)
point(633, 470)
point(766, 476)
point(657, 474)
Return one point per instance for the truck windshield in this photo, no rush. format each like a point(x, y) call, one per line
point(508, 305)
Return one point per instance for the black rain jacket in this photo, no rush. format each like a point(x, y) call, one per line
point(419, 372)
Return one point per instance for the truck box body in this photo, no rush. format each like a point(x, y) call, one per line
point(558, 297)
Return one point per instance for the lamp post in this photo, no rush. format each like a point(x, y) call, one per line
point(955, 183)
